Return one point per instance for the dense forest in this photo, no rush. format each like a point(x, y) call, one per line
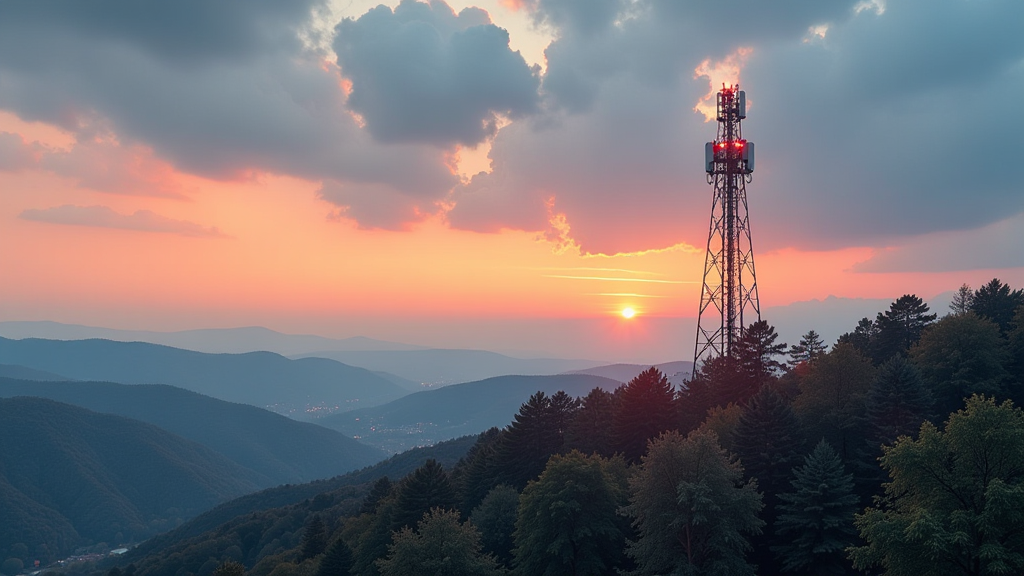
point(897, 450)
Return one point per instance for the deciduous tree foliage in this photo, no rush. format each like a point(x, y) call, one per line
point(833, 396)
point(495, 518)
point(691, 509)
point(568, 522)
point(815, 522)
point(961, 355)
point(440, 546)
point(955, 501)
point(646, 408)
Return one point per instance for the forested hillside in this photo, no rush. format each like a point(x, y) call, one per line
point(435, 415)
point(896, 450)
point(262, 379)
point(71, 477)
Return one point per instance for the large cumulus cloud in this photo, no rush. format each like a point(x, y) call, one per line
point(421, 73)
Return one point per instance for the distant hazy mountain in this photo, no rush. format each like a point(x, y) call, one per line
point(434, 415)
point(265, 379)
point(437, 367)
point(214, 340)
point(279, 449)
point(23, 373)
point(69, 477)
point(675, 371)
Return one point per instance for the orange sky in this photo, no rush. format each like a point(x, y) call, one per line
point(182, 251)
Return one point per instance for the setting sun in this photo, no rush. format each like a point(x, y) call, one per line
point(628, 312)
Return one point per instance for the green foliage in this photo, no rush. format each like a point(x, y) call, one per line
point(768, 441)
point(314, 538)
point(955, 502)
point(440, 546)
point(477, 473)
point(898, 402)
point(230, 568)
point(567, 522)
point(724, 422)
point(995, 301)
point(495, 517)
point(833, 398)
point(900, 327)
point(646, 408)
point(381, 489)
point(536, 433)
point(756, 351)
point(691, 509)
point(588, 431)
point(815, 524)
point(426, 488)
point(12, 566)
point(337, 561)
point(810, 347)
point(961, 355)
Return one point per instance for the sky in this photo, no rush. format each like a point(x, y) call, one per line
point(496, 174)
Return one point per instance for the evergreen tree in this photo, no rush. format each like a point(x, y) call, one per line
point(537, 432)
point(697, 395)
point(755, 352)
point(955, 502)
point(900, 327)
point(495, 518)
point(961, 355)
point(691, 510)
point(589, 431)
point(864, 337)
point(1015, 357)
point(337, 561)
point(426, 488)
point(815, 524)
point(477, 472)
point(370, 538)
point(314, 538)
point(568, 522)
point(381, 490)
point(646, 408)
point(996, 302)
point(810, 347)
point(768, 443)
point(963, 300)
point(898, 403)
point(440, 546)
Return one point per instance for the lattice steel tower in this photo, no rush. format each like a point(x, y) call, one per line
point(729, 296)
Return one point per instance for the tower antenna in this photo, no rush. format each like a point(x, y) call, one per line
point(729, 295)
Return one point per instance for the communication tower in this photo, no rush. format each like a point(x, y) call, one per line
point(729, 295)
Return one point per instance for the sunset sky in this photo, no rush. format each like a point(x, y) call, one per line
point(495, 174)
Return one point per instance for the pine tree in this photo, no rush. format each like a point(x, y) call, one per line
point(314, 538)
point(995, 301)
point(426, 488)
point(589, 431)
point(815, 524)
point(381, 490)
point(898, 402)
point(810, 348)
point(536, 432)
point(900, 327)
point(646, 408)
point(864, 337)
point(337, 561)
point(963, 300)
point(756, 351)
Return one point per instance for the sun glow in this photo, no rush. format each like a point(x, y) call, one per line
point(628, 312)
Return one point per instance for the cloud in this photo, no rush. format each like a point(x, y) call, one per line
point(420, 73)
point(880, 131)
point(104, 217)
point(990, 247)
point(15, 153)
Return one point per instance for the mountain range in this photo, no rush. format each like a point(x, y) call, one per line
point(299, 388)
point(70, 476)
point(276, 449)
point(434, 415)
